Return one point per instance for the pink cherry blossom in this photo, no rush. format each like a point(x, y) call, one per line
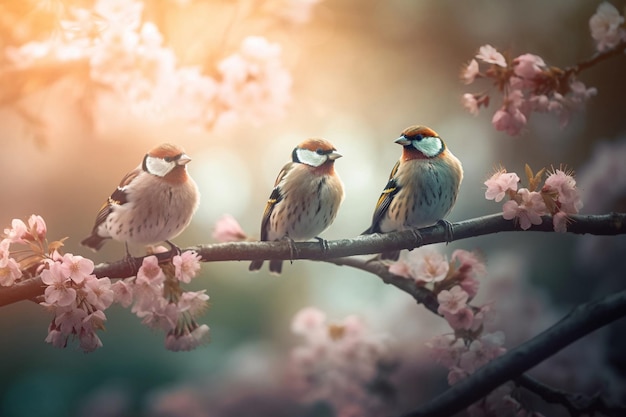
point(59, 290)
point(446, 349)
point(559, 220)
point(309, 321)
point(89, 340)
point(509, 120)
point(70, 321)
point(255, 84)
point(38, 226)
point(17, 232)
point(567, 194)
point(186, 265)
point(98, 292)
point(9, 272)
point(469, 73)
point(56, 338)
point(159, 314)
point(490, 55)
point(150, 273)
point(123, 293)
point(528, 67)
point(463, 319)
point(428, 265)
point(481, 351)
point(451, 301)
point(400, 268)
point(605, 26)
point(500, 183)
point(228, 229)
point(470, 103)
point(195, 302)
point(528, 210)
point(76, 268)
point(188, 340)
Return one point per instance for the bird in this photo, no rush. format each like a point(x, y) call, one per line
point(153, 203)
point(305, 199)
point(422, 187)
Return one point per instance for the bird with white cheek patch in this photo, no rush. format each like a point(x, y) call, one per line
point(422, 186)
point(305, 199)
point(153, 203)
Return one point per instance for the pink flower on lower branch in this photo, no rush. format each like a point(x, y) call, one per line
point(527, 208)
point(338, 363)
point(452, 301)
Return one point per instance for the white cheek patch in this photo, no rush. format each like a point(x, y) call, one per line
point(158, 166)
point(430, 146)
point(310, 157)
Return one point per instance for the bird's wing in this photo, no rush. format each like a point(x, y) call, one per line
point(275, 197)
point(384, 200)
point(117, 197)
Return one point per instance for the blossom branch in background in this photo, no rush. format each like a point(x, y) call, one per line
point(529, 85)
point(121, 58)
point(583, 320)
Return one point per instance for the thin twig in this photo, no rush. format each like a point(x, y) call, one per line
point(577, 404)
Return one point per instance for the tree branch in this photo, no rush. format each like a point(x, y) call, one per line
point(583, 320)
point(607, 224)
point(420, 294)
point(576, 404)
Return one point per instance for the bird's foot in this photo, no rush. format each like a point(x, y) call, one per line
point(417, 236)
point(293, 250)
point(448, 230)
point(174, 249)
point(323, 244)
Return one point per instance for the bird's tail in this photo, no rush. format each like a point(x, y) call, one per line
point(276, 266)
point(94, 242)
point(255, 265)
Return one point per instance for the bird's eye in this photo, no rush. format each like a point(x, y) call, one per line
point(419, 137)
point(319, 152)
point(168, 159)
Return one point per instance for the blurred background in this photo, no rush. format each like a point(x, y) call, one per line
point(360, 71)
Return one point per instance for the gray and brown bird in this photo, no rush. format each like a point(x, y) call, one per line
point(422, 187)
point(305, 199)
point(153, 203)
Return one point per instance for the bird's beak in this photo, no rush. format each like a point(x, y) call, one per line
point(183, 160)
point(334, 155)
point(402, 141)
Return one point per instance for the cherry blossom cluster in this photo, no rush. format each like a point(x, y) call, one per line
point(121, 53)
point(29, 261)
point(158, 299)
point(607, 27)
point(339, 363)
point(529, 85)
point(558, 196)
point(471, 344)
point(76, 298)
